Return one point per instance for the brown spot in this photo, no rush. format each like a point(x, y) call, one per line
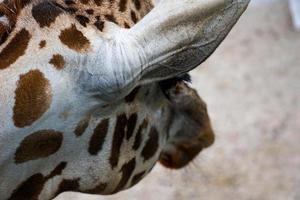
point(32, 98)
point(68, 185)
point(98, 2)
point(69, 2)
point(99, 189)
point(111, 18)
point(137, 4)
point(131, 125)
point(123, 127)
point(99, 24)
point(74, 39)
point(133, 16)
point(32, 187)
point(126, 25)
point(137, 178)
point(4, 31)
point(90, 11)
point(57, 61)
point(118, 138)
point(122, 5)
point(40, 144)
point(83, 20)
point(151, 146)
point(98, 137)
point(84, 1)
point(58, 170)
point(14, 49)
point(131, 96)
point(29, 189)
point(127, 170)
point(139, 135)
point(45, 13)
point(42, 44)
point(68, 9)
point(82, 126)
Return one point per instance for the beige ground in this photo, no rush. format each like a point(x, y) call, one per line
point(252, 87)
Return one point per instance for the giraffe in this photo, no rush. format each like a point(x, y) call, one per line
point(94, 92)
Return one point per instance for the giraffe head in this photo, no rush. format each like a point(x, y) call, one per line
point(190, 130)
point(66, 69)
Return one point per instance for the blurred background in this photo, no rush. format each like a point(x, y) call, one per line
point(252, 87)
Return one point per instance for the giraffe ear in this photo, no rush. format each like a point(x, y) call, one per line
point(175, 37)
point(178, 35)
